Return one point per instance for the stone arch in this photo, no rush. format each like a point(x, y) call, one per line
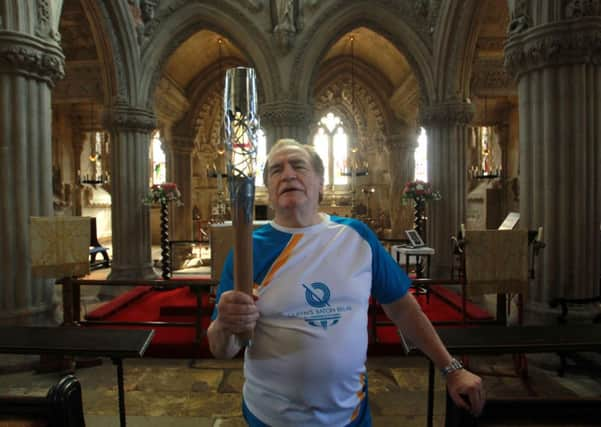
point(387, 21)
point(113, 30)
point(181, 21)
point(112, 74)
point(455, 47)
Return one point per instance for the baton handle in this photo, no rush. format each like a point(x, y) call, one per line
point(243, 269)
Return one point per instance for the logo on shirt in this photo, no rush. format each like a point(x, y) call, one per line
point(322, 314)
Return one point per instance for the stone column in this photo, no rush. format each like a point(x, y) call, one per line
point(556, 60)
point(30, 63)
point(130, 129)
point(446, 128)
point(181, 173)
point(400, 148)
point(77, 136)
point(285, 119)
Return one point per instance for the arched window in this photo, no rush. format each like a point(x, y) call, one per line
point(331, 143)
point(421, 156)
point(157, 160)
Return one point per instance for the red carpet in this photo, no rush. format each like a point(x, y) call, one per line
point(179, 305)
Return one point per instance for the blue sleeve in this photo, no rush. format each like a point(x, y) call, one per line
point(226, 283)
point(389, 281)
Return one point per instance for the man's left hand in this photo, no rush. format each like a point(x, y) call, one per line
point(463, 383)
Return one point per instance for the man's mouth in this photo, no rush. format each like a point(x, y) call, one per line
point(288, 190)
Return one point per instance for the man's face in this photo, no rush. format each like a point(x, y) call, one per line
point(292, 181)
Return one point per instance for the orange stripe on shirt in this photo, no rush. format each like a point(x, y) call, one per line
point(361, 396)
point(281, 260)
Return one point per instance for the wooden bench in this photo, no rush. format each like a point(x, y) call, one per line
point(521, 340)
point(116, 344)
point(61, 407)
point(527, 411)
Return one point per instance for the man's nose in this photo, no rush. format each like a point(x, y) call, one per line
point(288, 173)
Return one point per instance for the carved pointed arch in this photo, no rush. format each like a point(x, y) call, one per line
point(385, 19)
point(455, 47)
point(100, 28)
point(183, 19)
point(203, 121)
point(115, 23)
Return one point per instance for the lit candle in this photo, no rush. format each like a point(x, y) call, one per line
point(463, 231)
point(539, 236)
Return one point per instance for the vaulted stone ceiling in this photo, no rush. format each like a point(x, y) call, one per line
point(82, 89)
point(378, 54)
point(197, 54)
point(489, 80)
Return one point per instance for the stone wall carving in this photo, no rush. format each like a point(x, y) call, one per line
point(22, 54)
point(491, 43)
point(253, 5)
point(366, 111)
point(490, 76)
point(43, 27)
point(566, 42)
point(579, 8)
point(445, 114)
point(125, 118)
point(208, 121)
point(83, 82)
point(520, 18)
point(285, 113)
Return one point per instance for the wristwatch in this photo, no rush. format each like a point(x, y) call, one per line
point(453, 366)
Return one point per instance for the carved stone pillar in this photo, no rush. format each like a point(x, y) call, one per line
point(181, 173)
point(285, 119)
point(557, 65)
point(130, 129)
point(446, 127)
point(400, 148)
point(77, 143)
point(30, 63)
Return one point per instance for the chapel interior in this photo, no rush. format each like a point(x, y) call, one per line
point(495, 103)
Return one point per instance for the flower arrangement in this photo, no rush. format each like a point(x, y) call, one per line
point(419, 191)
point(163, 193)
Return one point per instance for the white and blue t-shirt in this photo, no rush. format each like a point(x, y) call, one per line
point(306, 362)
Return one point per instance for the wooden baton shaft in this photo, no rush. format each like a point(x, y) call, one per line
point(243, 260)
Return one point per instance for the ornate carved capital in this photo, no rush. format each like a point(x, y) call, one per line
point(31, 57)
point(561, 43)
point(446, 114)
point(125, 118)
point(406, 141)
point(182, 144)
point(285, 113)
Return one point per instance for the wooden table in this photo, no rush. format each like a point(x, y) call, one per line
point(515, 339)
point(400, 251)
point(116, 344)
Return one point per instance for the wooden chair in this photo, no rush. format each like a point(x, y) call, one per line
point(96, 248)
point(62, 407)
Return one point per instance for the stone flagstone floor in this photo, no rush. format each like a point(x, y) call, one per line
point(170, 392)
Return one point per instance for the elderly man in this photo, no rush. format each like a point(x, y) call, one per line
point(314, 274)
